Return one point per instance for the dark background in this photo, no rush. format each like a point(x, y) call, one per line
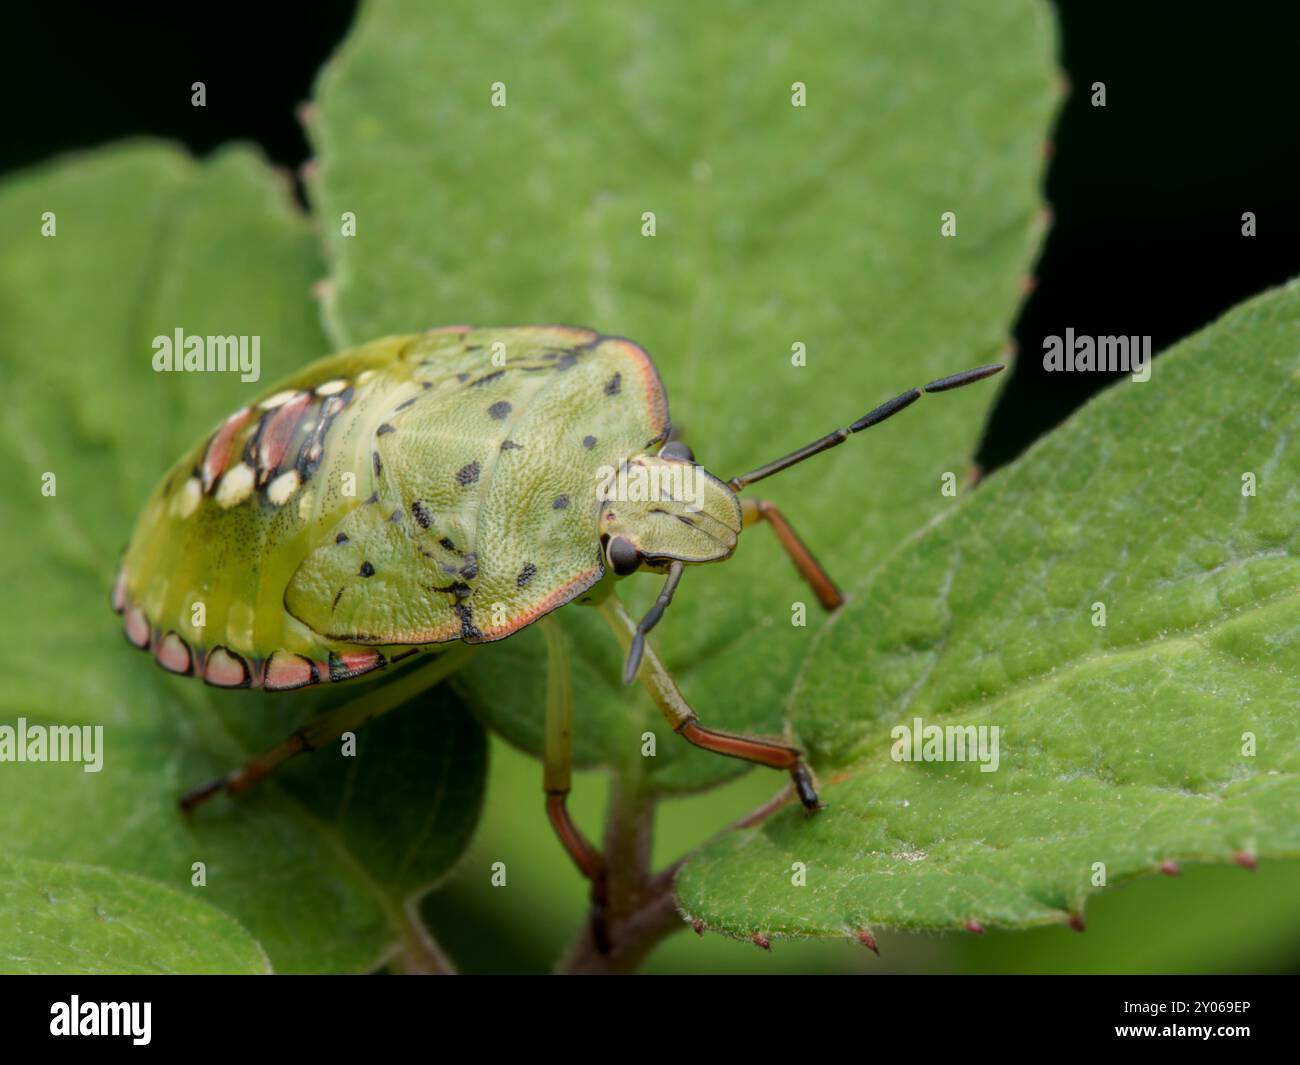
point(1147, 193)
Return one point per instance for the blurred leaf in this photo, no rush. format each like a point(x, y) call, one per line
point(318, 863)
point(775, 225)
point(57, 918)
point(1120, 744)
point(1210, 919)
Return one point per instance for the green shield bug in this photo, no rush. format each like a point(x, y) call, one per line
point(420, 495)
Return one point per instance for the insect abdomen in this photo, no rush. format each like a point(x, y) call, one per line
point(202, 584)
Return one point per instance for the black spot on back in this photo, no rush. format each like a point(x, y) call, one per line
point(367, 570)
point(255, 439)
point(487, 379)
point(614, 385)
point(559, 502)
point(395, 516)
point(342, 538)
point(421, 513)
point(313, 447)
point(384, 429)
point(510, 445)
point(374, 497)
point(567, 360)
point(406, 403)
point(446, 542)
point(467, 475)
point(499, 409)
point(526, 574)
point(470, 570)
point(588, 442)
point(467, 627)
point(378, 462)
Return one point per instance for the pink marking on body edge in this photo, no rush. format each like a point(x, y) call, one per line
point(225, 669)
point(579, 333)
point(279, 431)
point(136, 627)
point(285, 671)
point(565, 594)
point(218, 453)
point(119, 591)
point(354, 664)
point(173, 654)
point(651, 383)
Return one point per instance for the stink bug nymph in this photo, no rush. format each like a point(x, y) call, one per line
point(420, 495)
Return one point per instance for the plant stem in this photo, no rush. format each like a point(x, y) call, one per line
point(419, 954)
point(634, 938)
point(629, 835)
point(655, 916)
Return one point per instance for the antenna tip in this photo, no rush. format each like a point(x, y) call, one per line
point(966, 377)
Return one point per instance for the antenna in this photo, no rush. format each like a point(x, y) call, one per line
point(874, 417)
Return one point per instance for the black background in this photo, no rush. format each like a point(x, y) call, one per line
point(1147, 193)
point(353, 1017)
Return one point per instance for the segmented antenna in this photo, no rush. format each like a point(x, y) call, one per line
point(873, 417)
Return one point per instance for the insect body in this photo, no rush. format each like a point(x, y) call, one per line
point(408, 493)
point(429, 493)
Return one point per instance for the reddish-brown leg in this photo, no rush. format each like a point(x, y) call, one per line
point(329, 726)
point(557, 777)
point(756, 510)
point(749, 749)
point(686, 722)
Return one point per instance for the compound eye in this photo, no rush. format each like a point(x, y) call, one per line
point(623, 556)
point(675, 449)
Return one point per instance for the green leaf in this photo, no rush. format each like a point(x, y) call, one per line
point(57, 918)
point(775, 225)
point(319, 863)
point(1125, 745)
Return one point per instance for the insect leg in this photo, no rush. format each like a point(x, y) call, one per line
point(756, 510)
point(556, 775)
point(329, 726)
point(686, 723)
